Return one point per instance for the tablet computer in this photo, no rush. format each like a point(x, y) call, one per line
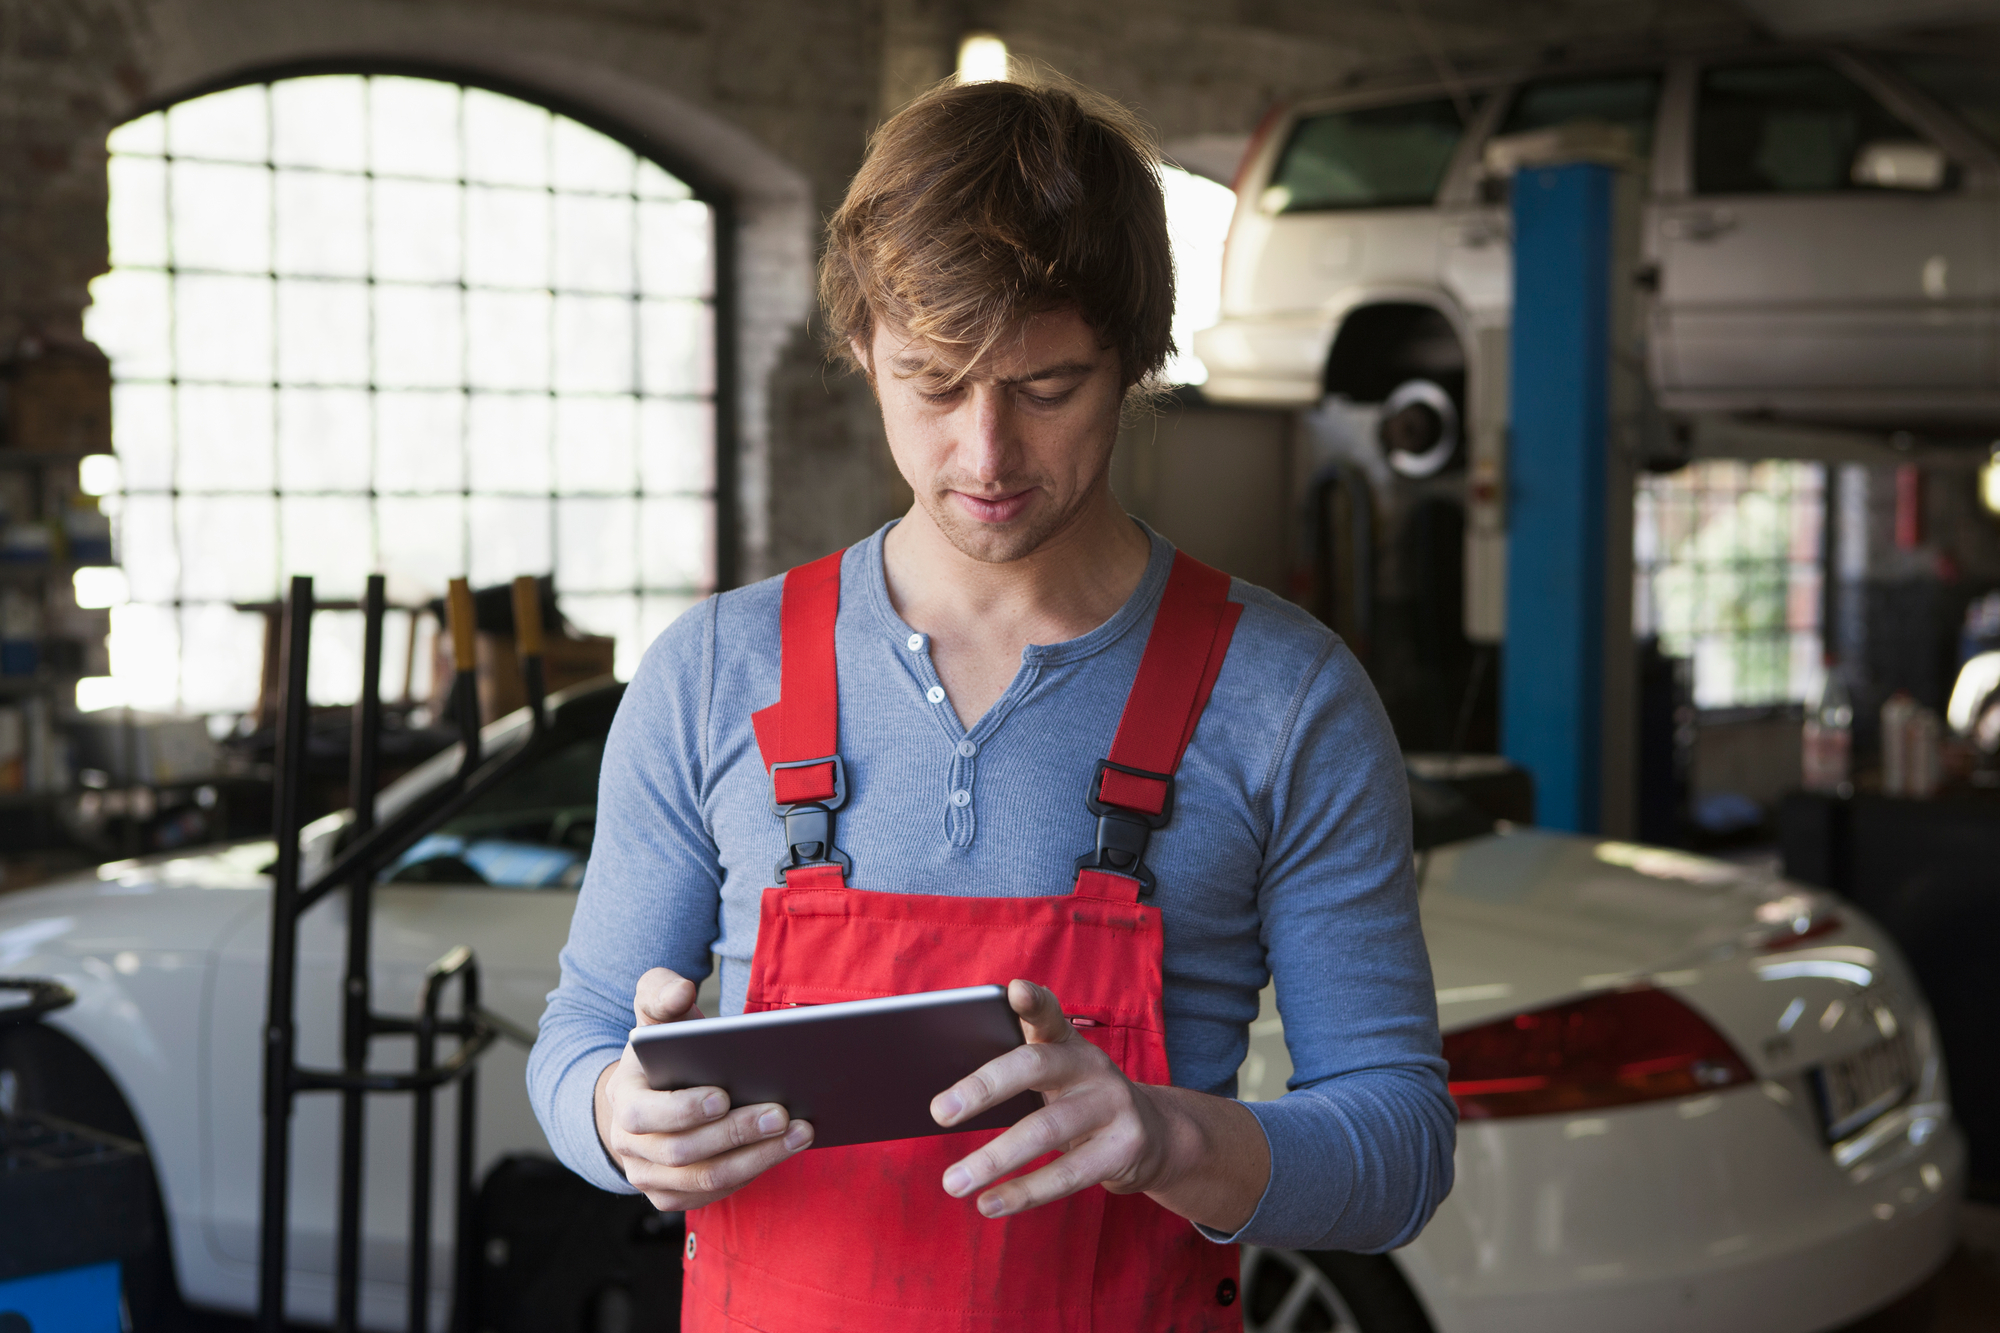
point(861, 1071)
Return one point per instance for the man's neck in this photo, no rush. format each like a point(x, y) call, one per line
point(980, 615)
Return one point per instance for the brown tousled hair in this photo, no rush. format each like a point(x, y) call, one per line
point(980, 205)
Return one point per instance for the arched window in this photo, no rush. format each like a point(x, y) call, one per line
point(381, 323)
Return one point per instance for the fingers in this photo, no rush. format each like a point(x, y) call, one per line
point(640, 1110)
point(677, 1188)
point(1042, 1018)
point(741, 1128)
point(1094, 1120)
point(686, 1149)
point(1093, 1163)
point(663, 996)
point(1037, 1067)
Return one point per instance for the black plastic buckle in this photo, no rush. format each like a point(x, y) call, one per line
point(1122, 834)
point(809, 824)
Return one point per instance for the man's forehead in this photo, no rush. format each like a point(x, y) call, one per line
point(1039, 349)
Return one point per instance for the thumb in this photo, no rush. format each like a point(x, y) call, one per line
point(663, 996)
point(1040, 1011)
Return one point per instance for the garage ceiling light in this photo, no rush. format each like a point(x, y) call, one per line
point(1989, 482)
point(982, 58)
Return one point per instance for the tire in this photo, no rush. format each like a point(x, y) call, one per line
point(1289, 1291)
point(53, 1074)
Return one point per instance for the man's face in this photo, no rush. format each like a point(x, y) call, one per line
point(1017, 449)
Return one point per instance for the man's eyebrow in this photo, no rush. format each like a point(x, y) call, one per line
point(1055, 372)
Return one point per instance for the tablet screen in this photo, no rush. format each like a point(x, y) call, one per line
point(862, 1071)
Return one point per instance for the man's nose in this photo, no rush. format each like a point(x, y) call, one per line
point(989, 433)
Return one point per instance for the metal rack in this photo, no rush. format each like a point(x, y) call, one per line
point(369, 848)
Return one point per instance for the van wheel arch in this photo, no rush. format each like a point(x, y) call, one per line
point(1378, 347)
point(1408, 357)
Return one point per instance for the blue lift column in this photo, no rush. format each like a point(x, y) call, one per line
point(1553, 671)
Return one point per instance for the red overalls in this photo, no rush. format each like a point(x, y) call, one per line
point(863, 1239)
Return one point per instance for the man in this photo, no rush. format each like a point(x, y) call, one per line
point(1053, 751)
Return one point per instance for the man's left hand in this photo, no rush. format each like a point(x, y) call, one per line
point(1203, 1157)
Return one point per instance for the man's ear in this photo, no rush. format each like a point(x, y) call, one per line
point(864, 356)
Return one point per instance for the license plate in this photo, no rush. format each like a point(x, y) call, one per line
point(1857, 1088)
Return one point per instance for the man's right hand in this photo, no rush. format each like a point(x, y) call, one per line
point(685, 1149)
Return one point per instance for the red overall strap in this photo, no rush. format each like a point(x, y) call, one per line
point(1132, 791)
point(1183, 656)
point(805, 722)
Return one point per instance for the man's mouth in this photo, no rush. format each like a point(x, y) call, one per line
point(994, 509)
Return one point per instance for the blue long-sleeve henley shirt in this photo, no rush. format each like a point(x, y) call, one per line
point(1288, 858)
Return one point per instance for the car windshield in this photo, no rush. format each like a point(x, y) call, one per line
point(1625, 100)
point(1969, 87)
point(533, 830)
point(1380, 157)
point(1785, 128)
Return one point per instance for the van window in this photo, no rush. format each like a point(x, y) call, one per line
point(1971, 88)
point(1380, 157)
point(1626, 100)
point(1785, 128)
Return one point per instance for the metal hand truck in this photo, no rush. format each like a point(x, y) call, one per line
point(369, 848)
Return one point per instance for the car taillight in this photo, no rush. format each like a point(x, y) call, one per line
point(1611, 1049)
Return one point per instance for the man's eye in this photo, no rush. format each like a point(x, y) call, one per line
point(1049, 400)
point(942, 396)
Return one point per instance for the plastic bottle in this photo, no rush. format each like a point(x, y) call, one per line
point(1828, 736)
point(1923, 754)
point(1897, 713)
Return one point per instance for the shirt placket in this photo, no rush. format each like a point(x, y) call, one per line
point(961, 822)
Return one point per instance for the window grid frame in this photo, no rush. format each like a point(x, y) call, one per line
point(1757, 608)
point(709, 385)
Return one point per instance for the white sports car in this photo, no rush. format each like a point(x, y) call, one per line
point(1692, 1096)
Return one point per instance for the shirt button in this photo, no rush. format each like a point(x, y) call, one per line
point(961, 798)
point(967, 749)
point(935, 694)
point(916, 642)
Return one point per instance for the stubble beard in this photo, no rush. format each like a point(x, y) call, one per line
point(1000, 543)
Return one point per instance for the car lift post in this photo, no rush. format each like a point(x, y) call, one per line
point(369, 850)
point(1565, 697)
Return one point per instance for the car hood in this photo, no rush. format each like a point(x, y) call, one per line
point(1525, 918)
point(174, 902)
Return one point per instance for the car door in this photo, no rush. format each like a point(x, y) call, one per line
point(1800, 272)
point(500, 878)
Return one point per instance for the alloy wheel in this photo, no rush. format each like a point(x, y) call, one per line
point(1285, 1292)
